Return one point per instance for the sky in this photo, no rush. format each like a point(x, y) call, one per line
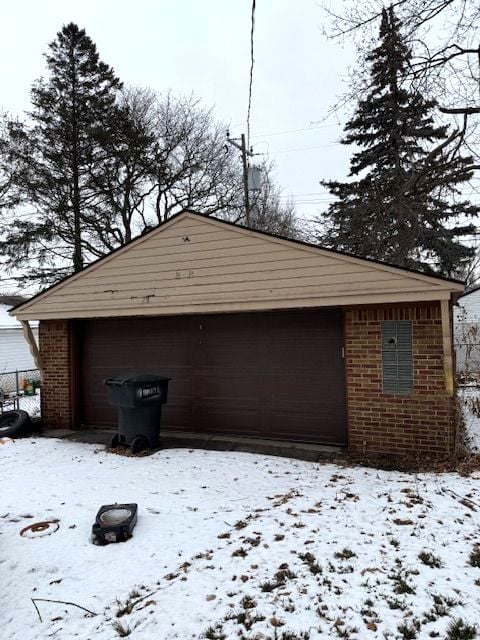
point(203, 47)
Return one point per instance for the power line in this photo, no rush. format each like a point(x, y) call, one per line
point(252, 60)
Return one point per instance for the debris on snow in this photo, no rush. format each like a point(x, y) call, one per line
point(313, 552)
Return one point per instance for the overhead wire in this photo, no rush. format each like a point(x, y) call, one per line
point(303, 199)
point(252, 61)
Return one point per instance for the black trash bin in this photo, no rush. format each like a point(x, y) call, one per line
point(139, 400)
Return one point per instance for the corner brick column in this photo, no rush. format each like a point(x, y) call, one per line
point(420, 423)
point(55, 350)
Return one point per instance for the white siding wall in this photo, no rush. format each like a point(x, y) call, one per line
point(14, 351)
point(467, 332)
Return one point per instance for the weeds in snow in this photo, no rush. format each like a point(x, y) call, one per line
point(401, 585)
point(409, 630)
point(214, 633)
point(474, 558)
point(248, 602)
point(429, 559)
point(395, 603)
point(124, 609)
point(122, 630)
point(283, 574)
point(339, 626)
point(441, 607)
point(345, 554)
point(268, 586)
point(311, 561)
point(307, 557)
point(246, 618)
point(460, 630)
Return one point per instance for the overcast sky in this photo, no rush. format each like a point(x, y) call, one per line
point(203, 47)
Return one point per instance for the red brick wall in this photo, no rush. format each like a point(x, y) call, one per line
point(55, 349)
point(422, 422)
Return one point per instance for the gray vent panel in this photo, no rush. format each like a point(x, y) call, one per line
point(397, 357)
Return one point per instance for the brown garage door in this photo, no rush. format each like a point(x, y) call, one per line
point(276, 375)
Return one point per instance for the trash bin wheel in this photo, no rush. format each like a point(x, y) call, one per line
point(140, 443)
point(114, 441)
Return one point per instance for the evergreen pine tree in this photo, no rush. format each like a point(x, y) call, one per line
point(59, 154)
point(402, 204)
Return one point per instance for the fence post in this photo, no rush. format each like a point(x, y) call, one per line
point(17, 391)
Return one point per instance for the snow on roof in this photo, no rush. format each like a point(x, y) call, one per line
point(7, 321)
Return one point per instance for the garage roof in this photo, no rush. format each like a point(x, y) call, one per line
point(198, 264)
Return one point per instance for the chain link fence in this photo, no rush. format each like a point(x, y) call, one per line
point(20, 390)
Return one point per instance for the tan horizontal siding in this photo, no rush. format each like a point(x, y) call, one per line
point(208, 294)
point(244, 269)
point(234, 305)
point(209, 250)
point(174, 245)
point(237, 281)
point(220, 266)
point(273, 259)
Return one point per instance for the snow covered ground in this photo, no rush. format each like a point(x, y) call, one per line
point(235, 545)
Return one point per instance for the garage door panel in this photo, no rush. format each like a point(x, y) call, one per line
point(132, 346)
point(288, 389)
point(299, 426)
point(228, 384)
point(221, 419)
point(277, 375)
point(306, 359)
point(240, 355)
point(178, 411)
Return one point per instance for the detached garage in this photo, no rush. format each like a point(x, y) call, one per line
point(261, 337)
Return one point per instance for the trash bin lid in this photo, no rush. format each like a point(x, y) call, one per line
point(120, 381)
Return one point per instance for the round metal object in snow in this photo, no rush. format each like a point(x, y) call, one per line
point(114, 516)
point(114, 523)
point(40, 529)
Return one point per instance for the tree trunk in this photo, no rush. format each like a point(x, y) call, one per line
point(77, 232)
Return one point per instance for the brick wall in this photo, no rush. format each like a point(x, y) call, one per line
point(422, 422)
point(55, 349)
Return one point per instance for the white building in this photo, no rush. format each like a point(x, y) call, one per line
point(14, 350)
point(467, 331)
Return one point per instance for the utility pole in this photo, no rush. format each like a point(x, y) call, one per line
point(242, 147)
